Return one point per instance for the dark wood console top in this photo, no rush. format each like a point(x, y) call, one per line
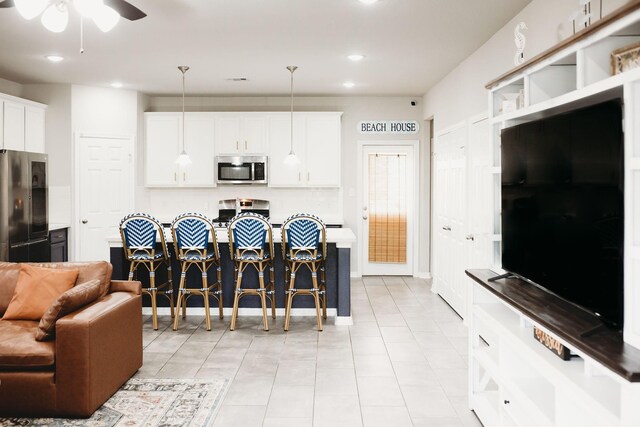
point(567, 322)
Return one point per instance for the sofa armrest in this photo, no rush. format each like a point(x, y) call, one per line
point(98, 349)
point(126, 286)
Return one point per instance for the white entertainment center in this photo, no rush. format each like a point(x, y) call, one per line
point(514, 380)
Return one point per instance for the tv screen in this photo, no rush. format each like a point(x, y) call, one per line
point(562, 206)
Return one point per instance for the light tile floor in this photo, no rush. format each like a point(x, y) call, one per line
point(402, 363)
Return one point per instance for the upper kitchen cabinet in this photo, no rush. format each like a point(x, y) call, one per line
point(317, 143)
point(163, 143)
point(241, 134)
point(22, 124)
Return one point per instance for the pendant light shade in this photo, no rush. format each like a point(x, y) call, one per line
point(29, 9)
point(56, 17)
point(291, 159)
point(106, 18)
point(183, 159)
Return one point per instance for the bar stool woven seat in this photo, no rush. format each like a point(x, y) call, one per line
point(144, 245)
point(251, 244)
point(195, 243)
point(304, 243)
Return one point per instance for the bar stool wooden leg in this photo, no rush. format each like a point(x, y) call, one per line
point(316, 294)
point(205, 294)
point(170, 285)
point(132, 268)
point(219, 292)
point(181, 297)
point(236, 297)
point(154, 292)
point(292, 280)
point(323, 288)
point(273, 291)
point(263, 296)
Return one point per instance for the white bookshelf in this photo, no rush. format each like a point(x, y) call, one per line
point(506, 364)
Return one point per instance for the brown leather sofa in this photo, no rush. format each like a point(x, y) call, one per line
point(95, 351)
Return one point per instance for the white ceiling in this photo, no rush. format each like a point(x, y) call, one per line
point(409, 45)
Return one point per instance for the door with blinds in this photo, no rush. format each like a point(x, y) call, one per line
point(388, 212)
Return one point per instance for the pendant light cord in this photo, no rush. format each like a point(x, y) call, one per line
point(184, 70)
point(292, 68)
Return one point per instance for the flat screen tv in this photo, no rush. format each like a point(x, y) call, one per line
point(562, 206)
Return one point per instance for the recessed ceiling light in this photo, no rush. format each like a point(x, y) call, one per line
point(116, 85)
point(368, 1)
point(356, 57)
point(54, 58)
point(348, 84)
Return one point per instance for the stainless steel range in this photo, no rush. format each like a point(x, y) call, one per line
point(229, 208)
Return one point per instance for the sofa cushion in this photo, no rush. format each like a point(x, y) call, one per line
point(37, 288)
point(19, 348)
point(87, 271)
point(8, 279)
point(70, 301)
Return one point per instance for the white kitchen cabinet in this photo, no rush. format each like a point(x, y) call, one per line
point(281, 175)
point(164, 143)
point(34, 118)
point(199, 135)
point(163, 133)
point(13, 131)
point(241, 134)
point(317, 143)
point(323, 144)
point(22, 124)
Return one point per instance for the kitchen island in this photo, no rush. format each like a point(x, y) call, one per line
point(338, 277)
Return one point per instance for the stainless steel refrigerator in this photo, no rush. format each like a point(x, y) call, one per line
point(24, 228)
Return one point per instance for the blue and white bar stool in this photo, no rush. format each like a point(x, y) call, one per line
point(251, 244)
point(145, 245)
point(194, 239)
point(304, 243)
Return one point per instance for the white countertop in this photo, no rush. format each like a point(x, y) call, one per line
point(58, 226)
point(342, 237)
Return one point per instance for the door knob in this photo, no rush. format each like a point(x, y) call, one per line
point(365, 217)
point(470, 237)
point(84, 221)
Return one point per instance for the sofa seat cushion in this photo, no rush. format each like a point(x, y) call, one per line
point(19, 349)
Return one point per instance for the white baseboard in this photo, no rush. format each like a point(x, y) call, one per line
point(243, 311)
point(344, 320)
point(424, 275)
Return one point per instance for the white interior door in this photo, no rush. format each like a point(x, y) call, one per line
point(105, 192)
point(388, 211)
point(450, 216)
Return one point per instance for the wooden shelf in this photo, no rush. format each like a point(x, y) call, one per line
point(565, 321)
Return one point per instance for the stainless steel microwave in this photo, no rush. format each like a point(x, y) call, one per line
point(241, 169)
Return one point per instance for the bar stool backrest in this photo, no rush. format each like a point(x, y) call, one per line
point(304, 234)
point(192, 233)
point(250, 233)
point(139, 233)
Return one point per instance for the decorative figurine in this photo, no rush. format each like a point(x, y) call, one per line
point(520, 41)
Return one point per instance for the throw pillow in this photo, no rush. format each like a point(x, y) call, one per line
point(36, 289)
point(70, 301)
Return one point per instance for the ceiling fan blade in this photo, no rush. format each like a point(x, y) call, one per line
point(6, 3)
point(124, 8)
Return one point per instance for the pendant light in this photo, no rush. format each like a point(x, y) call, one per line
point(183, 159)
point(291, 159)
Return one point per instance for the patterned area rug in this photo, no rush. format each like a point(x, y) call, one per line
point(148, 402)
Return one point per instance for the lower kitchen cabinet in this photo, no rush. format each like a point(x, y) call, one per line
point(58, 245)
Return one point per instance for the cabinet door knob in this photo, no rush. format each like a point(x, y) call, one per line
point(506, 402)
point(84, 221)
point(470, 237)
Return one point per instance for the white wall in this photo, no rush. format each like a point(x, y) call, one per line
point(104, 111)
point(58, 137)
point(10, 88)
point(462, 94)
point(330, 203)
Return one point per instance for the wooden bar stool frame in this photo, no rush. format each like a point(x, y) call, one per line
point(248, 248)
point(304, 243)
point(190, 232)
point(138, 232)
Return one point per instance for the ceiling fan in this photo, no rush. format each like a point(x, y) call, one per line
point(105, 13)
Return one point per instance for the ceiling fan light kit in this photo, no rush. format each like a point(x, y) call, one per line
point(55, 13)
